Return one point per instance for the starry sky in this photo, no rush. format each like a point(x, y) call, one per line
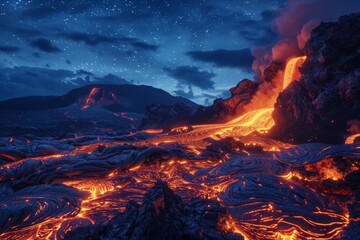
point(192, 48)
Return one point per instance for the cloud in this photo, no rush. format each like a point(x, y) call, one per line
point(125, 17)
point(57, 7)
point(215, 94)
point(26, 31)
point(293, 25)
point(45, 45)
point(189, 94)
point(111, 79)
point(144, 46)
point(38, 12)
point(225, 58)
point(83, 72)
point(96, 39)
point(9, 49)
point(189, 75)
point(25, 81)
point(36, 55)
point(89, 39)
point(259, 32)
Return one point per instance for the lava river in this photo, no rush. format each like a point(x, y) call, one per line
point(50, 187)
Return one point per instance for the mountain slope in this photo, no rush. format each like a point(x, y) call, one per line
point(119, 98)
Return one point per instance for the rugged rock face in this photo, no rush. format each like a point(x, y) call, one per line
point(224, 110)
point(271, 71)
point(165, 117)
point(327, 96)
point(162, 215)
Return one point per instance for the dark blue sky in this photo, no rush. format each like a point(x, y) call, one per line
point(194, 48)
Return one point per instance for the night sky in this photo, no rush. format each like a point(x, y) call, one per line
point(192, 48)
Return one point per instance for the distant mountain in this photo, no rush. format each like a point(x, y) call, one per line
point(116, 98)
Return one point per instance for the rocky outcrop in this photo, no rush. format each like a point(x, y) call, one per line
point(165, 117)
point(327, 96)
point(272, 70)
point(225, 110)
point(162, 215)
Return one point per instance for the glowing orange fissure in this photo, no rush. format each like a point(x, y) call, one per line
point(351, 138)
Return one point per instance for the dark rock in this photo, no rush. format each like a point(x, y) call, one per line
point(162, 215)
point(317, 107)
point(165, 117)
point(224, 110)
point(353, 179)
point(272, 70)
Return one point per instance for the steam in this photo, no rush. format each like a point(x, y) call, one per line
point(294, 25)
point(354, 126)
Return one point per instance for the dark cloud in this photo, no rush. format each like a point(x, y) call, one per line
point(96, 39)
point(144, 46)
point(25, 81)
point(83, 72)
point(45, 45)
point(124, 17)
point(214, 94)
point(22, 30)
point(38, 12)
point(189, 75)
point(89, 39)
point(111, 79)
point(224, 94)
point(9, 49)
point(225, 58)
point(189, 94)
point(259, 32)
point(217, 94)
point(36, 54)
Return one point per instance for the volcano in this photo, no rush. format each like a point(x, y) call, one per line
point(120, 98)
point(102, 178)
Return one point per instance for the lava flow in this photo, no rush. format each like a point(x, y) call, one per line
point(270, 189)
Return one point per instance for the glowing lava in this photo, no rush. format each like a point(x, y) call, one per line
point(98, 96)
point(292, 70)
point(266, 192)
point(351, 139)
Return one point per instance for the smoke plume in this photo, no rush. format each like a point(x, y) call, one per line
point(293, 27)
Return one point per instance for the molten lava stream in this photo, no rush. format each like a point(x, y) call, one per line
point(292, 70)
